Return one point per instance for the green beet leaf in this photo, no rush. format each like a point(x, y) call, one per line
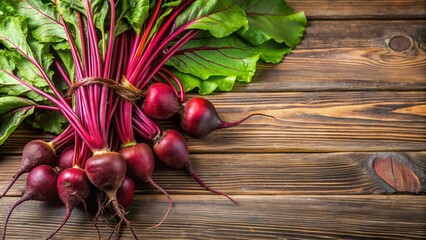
point(272, 20)
point(13, 110)
point(139, 10)
point(219, 17)
point(42, 20)
point(8, 85)
point(190, 82)
point(50, 121)
point(207, 56)
point(171, 3)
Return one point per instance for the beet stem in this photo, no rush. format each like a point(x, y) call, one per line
point(232, 124)
point(101, 206)
point(24, 198)
point(67, 216)
point(119, 210)
point(93, 221)
point(154, 184)
point(14, 178)
point(191, 171)
point(116, 230)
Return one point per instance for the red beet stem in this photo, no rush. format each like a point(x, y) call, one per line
point(154, 184)
point(24, 198)
point(232, 124)
point(120, 213)
point(191, 171)
point(67, 216)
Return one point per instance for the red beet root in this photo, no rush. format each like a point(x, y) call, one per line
point(161, 101)
point(35, 153)
point(139, 160)
point(172, 150)
point(106, 171)
point(73, 188)
point(125, 192)
point(40, 186)
point(65, 158)
point(199, 118)
point(140, 165)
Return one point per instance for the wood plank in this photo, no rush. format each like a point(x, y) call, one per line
point(349, 55)
point(332, 173)
point(367, 69)
point(255, 217)
point(361, 33)
point(319, 122)
point(308, 122)
point(361, 9)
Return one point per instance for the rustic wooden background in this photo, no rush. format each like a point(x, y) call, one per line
point(349, 133)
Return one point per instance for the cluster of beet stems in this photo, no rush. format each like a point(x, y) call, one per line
point(106, 116)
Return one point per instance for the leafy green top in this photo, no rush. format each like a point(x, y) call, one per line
point(233, 36)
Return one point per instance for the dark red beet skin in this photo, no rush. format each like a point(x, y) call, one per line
point(41, 183)
point(65, 158)
point(41, 186)
point(140, 161)
point(35, 153)
point(160, 101)
point(140, 165)
point(199, 118)
point(106, 171)
point(172, 149)
point(125, 192)
point(73, 188)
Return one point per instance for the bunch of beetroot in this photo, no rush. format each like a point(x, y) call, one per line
point(120, 81)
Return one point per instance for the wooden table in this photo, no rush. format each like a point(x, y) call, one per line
point(350, 132)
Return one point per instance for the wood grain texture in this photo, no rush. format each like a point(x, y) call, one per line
point(361, 33)
point(308, 122)
point(319, 122)
point(255, 217)
point(295, 174)
point(361, 9)
point(331, 58)
point(349, 55)
point(344, 99)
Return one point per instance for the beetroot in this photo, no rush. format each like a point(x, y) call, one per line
point(106, 171)
point(73, 188)
point(172, 150)
point(140, 165)
point(160, 101)
point(65, 159)
point(35, 153)
point(199, 118)
point(125, 192)
point(139, 160)
point(40, 186)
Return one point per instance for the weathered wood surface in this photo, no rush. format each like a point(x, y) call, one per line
point(351, 108)
point(258, 173)
point(361, 9)
point(310, 122)
point(255, 217)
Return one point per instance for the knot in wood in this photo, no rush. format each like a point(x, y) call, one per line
point(400, 43)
